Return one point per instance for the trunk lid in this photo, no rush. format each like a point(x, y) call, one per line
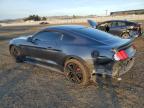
point(127, 46)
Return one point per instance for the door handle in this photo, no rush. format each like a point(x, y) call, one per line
point(49, 47)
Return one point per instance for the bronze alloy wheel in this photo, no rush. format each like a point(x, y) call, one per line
point(76, 72)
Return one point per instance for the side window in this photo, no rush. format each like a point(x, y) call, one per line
point(114, 24)
point(47, 36)
point(104, 25)
point(129, 24)
point(67, 38)
point(121, 24)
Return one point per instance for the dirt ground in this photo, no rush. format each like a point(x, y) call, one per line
point(28, 86)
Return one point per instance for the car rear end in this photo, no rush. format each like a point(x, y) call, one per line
point(135, 29)
point(124, 57)
point(116, 60)
point(111, 55)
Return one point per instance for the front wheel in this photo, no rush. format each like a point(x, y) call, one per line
point(16, 53)
point(76, 72)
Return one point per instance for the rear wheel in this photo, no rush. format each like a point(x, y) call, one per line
point(125, 35)
point(15, 52)
point(76, 72)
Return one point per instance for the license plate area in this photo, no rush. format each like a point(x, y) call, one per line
point(130, 51)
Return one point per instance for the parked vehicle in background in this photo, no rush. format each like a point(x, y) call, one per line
point(80, 51)
point(44, 23)
point(122, 28)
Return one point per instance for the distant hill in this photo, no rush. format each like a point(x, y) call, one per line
point(48, 17)
point(11, 20)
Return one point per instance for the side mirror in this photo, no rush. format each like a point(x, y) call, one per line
point(29, 39)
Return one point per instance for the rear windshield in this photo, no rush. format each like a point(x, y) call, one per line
point(94, 34)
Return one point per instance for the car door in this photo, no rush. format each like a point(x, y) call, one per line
point(122, 25)
point(115, 29)
point(44, 45)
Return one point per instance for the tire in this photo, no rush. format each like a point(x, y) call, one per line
point(16, 53)
point(125, 35)
point(74, 68)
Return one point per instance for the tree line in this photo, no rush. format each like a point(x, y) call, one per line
point(35, 18)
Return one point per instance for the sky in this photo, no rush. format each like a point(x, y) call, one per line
point(11, 9)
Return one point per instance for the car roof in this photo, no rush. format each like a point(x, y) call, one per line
point(120, 21)
point(117, 21)
point(65, 27)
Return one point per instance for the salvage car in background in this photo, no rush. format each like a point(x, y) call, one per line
point(81, 51)
point(122, 28)
point(43, 23)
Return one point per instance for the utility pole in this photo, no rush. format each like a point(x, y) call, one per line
point(106, 12)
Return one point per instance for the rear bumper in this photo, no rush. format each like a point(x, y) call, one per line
point(115, 69)
point(121, 67)
point(136, 32)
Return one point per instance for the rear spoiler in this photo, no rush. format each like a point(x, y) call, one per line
point(126, 45)
point(92, 23)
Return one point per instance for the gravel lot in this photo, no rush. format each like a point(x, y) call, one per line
point(27, 86)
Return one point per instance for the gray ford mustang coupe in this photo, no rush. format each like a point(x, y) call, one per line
point(81, 51)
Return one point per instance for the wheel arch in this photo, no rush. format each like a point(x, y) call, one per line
point(128, 32)
point(72, 57)
point(124, 31)
point(14, 45)
point(11, 45)
point(79, 59)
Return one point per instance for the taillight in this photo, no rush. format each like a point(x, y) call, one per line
point(120, 55)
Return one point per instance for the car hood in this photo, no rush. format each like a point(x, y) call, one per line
point(22, 37)
point(19, 39)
